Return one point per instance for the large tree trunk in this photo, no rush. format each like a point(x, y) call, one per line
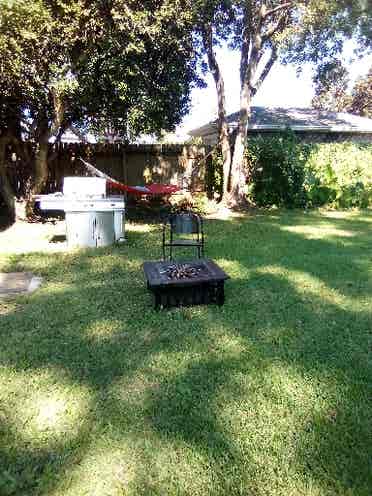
point(6, 190)
point(223, 127)
point(10, 137)
point(41, 166)
point(237, 196)
point(45, 130)
point(41, 172)
point(226, 157)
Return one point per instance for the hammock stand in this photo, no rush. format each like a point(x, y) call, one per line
point(150, 189)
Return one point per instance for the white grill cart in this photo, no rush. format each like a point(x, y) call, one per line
point(92, 218)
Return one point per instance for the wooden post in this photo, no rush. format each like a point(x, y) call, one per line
point(124, 166)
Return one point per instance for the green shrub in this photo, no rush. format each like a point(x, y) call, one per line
point(339, 174)
point(285, 172)
point(195, 202)
point(277, 171)
point(214, 174)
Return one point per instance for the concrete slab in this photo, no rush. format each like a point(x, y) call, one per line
point(23, 237)
point(16, 283)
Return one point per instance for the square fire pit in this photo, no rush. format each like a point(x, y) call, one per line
point(193, 282)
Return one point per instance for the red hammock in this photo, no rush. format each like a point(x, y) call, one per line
point(150, 189)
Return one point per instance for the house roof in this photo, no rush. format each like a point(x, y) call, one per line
point(298, 119)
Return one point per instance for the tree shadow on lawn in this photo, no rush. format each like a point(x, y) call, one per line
point(271, 242)
point(206, 379)
point(327, 438)
point(35, 468)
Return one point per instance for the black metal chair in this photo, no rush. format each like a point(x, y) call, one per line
point(176, 227)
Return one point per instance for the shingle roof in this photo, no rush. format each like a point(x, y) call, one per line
point(301, 119)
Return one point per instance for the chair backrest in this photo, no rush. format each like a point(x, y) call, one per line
point(185, 223)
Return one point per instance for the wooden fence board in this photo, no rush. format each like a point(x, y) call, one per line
point(183, 165)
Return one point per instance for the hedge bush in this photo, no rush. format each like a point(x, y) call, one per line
point(339, 174)
point(277, 171)
point(285, 172)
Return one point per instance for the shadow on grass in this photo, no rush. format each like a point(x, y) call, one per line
point(6, 219)
point(331, 446)
point(213, 381)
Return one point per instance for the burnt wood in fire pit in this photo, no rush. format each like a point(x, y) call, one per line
point(193, 282)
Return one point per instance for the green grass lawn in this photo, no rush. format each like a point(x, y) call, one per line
point(270, 394)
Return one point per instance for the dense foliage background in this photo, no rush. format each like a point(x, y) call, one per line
point(339, 174)
point(277, 171)
point(284, 172)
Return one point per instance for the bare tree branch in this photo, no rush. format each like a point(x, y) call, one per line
point(274, 28)
point(61, 130)
point(207, 36)
point(265, 70)
point(277, 9)
point(59, 112)
point(253, 61)
point(246, 43)
point(223, 127)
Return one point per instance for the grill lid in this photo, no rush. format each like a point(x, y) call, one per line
point(82, 194)
point(84, 187)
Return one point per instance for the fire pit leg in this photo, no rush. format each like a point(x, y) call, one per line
point(161, 300)
point(220, 293)
point(157, 298)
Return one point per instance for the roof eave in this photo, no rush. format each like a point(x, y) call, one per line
point(212, 128)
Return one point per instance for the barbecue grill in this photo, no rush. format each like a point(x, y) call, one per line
point(92, 218)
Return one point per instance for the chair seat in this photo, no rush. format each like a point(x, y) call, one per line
point(184, 242)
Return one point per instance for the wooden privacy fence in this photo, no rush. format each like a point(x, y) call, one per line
point(183, 165)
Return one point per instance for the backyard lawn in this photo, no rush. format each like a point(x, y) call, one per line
point(270, 394)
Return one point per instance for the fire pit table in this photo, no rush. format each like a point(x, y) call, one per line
point(193, 282)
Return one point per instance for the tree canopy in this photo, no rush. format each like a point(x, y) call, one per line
point(332, 91)
point(112, 61)
point(120, 68)
point(139, 69)
point(361, 96)
point(331, 85)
